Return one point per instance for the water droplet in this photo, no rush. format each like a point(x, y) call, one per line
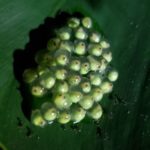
point(143, 133)
point(131, 23)
point(128, 112)
point(137, 26)
point(106, 137)
point(76, 128)
point(111, 115)
point(141, 115)
point(146, 117)
point(38, 137)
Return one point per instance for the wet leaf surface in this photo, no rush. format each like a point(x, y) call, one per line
point(125, 124)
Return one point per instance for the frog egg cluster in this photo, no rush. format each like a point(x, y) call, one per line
point(74, 71)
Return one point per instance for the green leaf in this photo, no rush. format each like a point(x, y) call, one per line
point(126, 122)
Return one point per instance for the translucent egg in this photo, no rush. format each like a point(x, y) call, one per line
point(62, 101)
point(106, 87)
point(74, 79)
point(47, 80)
point(81, 34)
point(37, 90)
point(37, 118)
point(95, 37)
point(95, 65)
point(30, 75)
point(66, 45)
point(75, 64)
point(64, 117)
point(86, 102)
point(85, 86)
point(62, 57)
point(73, 22)
point(95, 49)
point(104, 44)
point(107, 55)
point(61, 74)
point(113, 75)
point(53, 44)
point(85, 67)
point(87, 22)
point(49, 112)
point(80, 48)
point(103, 65)
point(77, 114)
point(44, 58)
point(64, 33)
point(42, 70)
point(61, 87)
point(96, 112)
point(95, 79)
point(75, 96)
point(97, 94)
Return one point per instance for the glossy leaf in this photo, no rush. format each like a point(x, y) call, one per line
point(126, 120)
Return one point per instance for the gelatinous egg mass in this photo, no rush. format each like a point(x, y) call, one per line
point(73, 72)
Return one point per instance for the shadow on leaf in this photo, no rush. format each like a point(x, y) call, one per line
point(24, 58)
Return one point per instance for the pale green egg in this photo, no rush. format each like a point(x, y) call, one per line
point(87, 22)
point(95, 49)
point(37, 118)
point(74, 79)
point(81, 34)
point(106, 87)
point(62, 101)
point(104, 44)
point(62, 57)
point(75, 64)
point(44, 58)
point(107, 55)
point(96, 112)
point(95, 37)
point(42, 70)
point(64, 33)
point(95, 79)
point(95, 65)
point(61, 87)
point(47, 80)
point(85, 86)
point(113, 75)
point(67, 45)
point(75, 96)
point(86, 102)
point(64, 117)
point(61, 74)
point(103, 65)
point(80, 48)
point(73, 22)
point(97, 94)
point(77, 114)
point(37, 90)
point(53, 44)
point(49, 112)
point(85, 68)
point(30, 75)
